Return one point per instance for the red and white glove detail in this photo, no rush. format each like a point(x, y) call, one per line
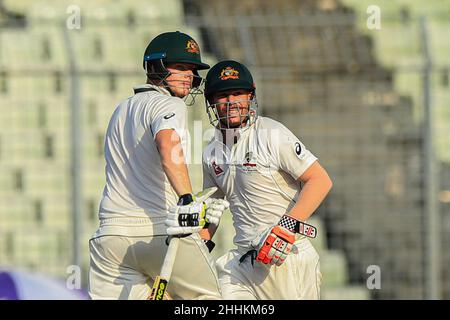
point(274, 245)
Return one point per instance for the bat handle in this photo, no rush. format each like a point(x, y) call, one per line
point(160, 284)
point(169, 260)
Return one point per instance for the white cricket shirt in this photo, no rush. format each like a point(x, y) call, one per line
point(136, 185)
point(257, 175)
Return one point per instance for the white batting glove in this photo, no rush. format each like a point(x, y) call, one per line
point(186, 219)
point(189, 215)
point(215, 209)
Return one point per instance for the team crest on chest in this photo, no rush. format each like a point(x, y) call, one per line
point(249, 162)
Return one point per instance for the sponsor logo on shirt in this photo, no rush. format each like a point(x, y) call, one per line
point(217, 170)
point(299, 150)
point(168, 116)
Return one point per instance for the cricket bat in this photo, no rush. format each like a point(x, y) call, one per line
point(161, 281)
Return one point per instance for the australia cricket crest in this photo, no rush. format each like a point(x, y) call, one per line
point(249, 164)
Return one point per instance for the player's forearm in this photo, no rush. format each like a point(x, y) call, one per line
point(313, 193)
point(206, 236)
point(178, 177)
point(173, 161)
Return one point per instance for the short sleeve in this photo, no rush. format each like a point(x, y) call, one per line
point(290, 153)
point(172, 114)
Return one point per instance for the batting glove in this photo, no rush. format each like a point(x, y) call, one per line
point(187, 217)
point(215, 209)
point(274, 244)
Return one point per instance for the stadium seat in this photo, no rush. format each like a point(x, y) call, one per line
point(55, 209)
point(334, 268)
point(23, 146)
point(16, 211)
point(34, 247)
point(345, 293)
point(94, 178)
point(45, 177)
point(319, 242)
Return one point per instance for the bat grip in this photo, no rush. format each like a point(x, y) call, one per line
point(169, 260)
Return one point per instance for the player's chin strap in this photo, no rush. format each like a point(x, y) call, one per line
point(162, 78)
point(194, 91)
point(216, 121)
point(189, 99)
point(293, 225)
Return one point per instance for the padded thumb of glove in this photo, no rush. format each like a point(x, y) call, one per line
point(257, 242)
point(219, 204)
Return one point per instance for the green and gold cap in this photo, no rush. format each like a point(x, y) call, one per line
point(173, 47)
point(226, 75)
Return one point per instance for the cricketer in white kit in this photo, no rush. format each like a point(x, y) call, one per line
point(148, 194)
point(258, 165)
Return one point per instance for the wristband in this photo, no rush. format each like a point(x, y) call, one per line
point(297, 226)
point(185, 199)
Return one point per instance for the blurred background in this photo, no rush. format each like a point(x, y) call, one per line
point(363, 83)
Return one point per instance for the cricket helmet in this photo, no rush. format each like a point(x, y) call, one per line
point(229, 75)
point(173, 47)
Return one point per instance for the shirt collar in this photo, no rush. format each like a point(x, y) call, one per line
point(232, 136)
point(152, 86)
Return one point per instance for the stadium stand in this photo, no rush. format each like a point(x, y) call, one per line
point(35, 79)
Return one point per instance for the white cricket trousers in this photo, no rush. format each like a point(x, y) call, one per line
point(123, 267)
point(298, 278)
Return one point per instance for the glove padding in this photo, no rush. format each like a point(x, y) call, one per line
point(186, 218)
point(274, 245)
point(215, 209)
